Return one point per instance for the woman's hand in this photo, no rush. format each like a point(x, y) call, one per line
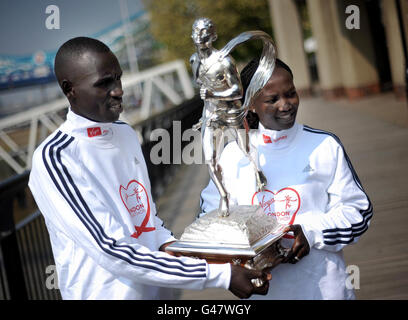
point(300, 247)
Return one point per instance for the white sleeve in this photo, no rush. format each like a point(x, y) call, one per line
point(69, 204)
point(348, 212)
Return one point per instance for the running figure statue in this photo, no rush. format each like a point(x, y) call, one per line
point(221, 89)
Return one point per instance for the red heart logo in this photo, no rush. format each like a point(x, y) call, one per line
point(283, 204)
point(136, 201)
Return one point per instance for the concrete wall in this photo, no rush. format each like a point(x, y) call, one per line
point(289, 41)
point(346, 58)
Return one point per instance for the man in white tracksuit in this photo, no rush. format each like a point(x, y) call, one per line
point(312, 186)
point(90, 181)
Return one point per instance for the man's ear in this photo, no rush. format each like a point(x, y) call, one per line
point(67, 88)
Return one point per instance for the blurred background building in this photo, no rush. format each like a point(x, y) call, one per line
point(346, 61)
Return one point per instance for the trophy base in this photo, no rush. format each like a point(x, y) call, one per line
point(246, 236)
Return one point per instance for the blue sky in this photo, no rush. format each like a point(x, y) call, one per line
point(22, 22)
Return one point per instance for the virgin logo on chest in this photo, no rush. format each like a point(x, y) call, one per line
point(136, 200)
point(283, 204)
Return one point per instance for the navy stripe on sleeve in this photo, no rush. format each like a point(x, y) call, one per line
point(68, 189)
point(335, 236)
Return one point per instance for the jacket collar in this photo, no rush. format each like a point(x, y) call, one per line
point(275, 139)
point(84, 128)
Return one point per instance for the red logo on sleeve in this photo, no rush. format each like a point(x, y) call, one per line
point(93, 132)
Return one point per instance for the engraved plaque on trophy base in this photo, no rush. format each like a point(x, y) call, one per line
point(246, 236)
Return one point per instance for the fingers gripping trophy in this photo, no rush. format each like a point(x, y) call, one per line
point(238, 234)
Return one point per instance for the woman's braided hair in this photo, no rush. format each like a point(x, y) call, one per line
point(246, 75)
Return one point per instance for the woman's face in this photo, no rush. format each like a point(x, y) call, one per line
point(277, 103)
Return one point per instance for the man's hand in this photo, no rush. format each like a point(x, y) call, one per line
point(241, 284)
point(300, 247)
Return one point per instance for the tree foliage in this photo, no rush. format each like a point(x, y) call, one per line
point(171, 22)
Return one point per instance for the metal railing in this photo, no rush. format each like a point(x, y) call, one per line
point(25, 250)
point(145, 93)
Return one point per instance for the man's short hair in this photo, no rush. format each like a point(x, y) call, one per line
point(71, 50)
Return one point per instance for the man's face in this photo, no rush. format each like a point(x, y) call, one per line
point(96, 87)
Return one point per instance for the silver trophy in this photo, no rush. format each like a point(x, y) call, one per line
point(238, 234)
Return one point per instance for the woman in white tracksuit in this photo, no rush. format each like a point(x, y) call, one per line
point(312, 186)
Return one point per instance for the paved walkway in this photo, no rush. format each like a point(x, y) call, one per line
point(375, 133)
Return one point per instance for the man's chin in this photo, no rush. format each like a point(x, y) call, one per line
point(114, 113)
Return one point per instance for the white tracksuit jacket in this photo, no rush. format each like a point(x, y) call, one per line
point(91, 183)
point(311, 182)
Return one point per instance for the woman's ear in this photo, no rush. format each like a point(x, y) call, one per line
point(67, 88)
